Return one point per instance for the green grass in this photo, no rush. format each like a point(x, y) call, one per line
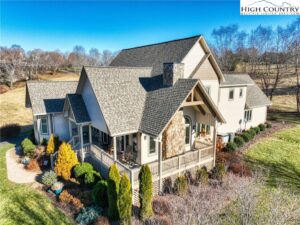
point(21, 204)
point(279, 158)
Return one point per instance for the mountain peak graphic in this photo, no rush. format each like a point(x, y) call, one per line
point(283, 4)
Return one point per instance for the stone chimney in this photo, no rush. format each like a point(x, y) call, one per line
point(172, 72)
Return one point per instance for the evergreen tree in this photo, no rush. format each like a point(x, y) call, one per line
point(66, 160)
point(51, 145)
point(145, 192)
point(113, 192)
point(125, 200)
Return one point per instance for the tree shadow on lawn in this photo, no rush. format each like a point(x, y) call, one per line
point(32, 208)
point(283, 173)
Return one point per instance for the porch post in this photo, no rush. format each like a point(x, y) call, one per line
point(81, 143)
point(115, 148)
point(160, 165)
point(90, 133)
point(215, 141)
point(38, 123)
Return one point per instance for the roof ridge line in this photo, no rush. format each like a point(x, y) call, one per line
point(163, 42)
point(119, 67)
point(54, 81)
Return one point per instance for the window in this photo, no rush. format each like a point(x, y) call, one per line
point(151, 146)
point(248, 115)
point(207, 129)
point(241, 92)
point(208, 88)
point(86, 134)
point(44, 125)
point(204, 129)
point(99, 137)
point(188, 126)
point(231, 94)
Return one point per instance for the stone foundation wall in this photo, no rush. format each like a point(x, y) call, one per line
point(173, 138)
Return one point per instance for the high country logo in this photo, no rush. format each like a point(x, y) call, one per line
point(270, 7)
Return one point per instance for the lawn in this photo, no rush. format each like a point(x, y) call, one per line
point(279, 158)
point(21, 204)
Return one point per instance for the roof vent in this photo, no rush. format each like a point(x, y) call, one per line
point(172, 72)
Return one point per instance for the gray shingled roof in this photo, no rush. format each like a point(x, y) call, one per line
point(78, 108)
point(161, 105)
point(156, 54)
point(48, 96)
point(237, 79)
point(255, 97)
point(120, 94)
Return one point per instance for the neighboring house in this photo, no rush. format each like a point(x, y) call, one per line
point(155, 104)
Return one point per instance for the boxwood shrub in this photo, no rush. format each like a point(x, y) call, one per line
point(230, 146)
point(181, 185)
point(256, 129)
point(246, 136)
point(28, 147)
point(261, 127)
point(251, 132)
point(269, 125)
point(239, 141)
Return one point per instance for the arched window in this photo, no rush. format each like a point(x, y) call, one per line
point(188, 130)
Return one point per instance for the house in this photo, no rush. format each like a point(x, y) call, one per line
point(160, 104)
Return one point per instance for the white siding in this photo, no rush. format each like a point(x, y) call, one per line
point(192, 59)
point(93, 107)
point(232, 110)
point(259, 115)
point(61, 126)
point(214, 89)
point(145, 157)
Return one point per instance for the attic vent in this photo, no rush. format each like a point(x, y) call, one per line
point(172, 72)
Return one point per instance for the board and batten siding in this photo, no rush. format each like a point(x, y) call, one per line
point(192, 59)
point(232, 110)
point(61, 126)
point(259, 115)
point(93, 107)
point(206, 72)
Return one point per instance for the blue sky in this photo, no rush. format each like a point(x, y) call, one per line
point(115, 25)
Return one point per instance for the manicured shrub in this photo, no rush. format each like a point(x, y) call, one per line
point(202, 176)
point(261, 127)
point(218, 172)
point(28, 147)
point(113, 183)
point(167, 185)
point(51, 145)
point(67, 198)
point(239, 141)
point(88, 215)
point(125, 200)
point(181, 185)
point(230, 147)
point(85, 173)
point(66, 160)
point(49, 178)
point(246, 136)
point(145, 192)
point(256, 129)
point(252, 133)
point(268, 125)
point(10, 130)
point(99, 194)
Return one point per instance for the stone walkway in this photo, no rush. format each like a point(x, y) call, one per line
point(16, 171)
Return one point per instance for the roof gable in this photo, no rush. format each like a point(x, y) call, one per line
point(48, 96)
point(256, 98)
point(156, 54)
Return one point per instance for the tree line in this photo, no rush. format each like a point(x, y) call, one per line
point(266, 53)
point(16, 64)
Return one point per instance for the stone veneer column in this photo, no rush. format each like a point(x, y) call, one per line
point(173, 138)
